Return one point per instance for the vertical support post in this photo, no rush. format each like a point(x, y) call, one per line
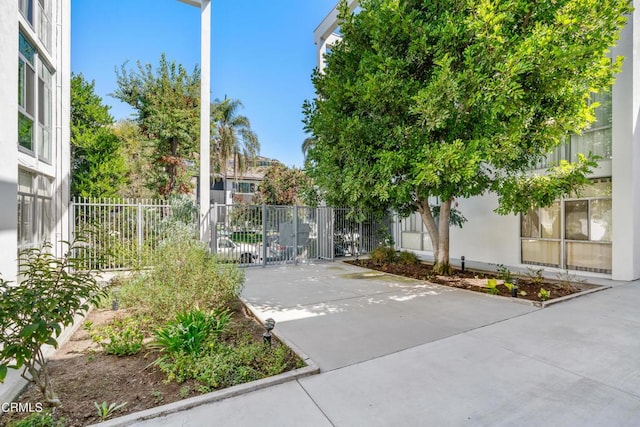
point(295, 234)
point(140, 224)
point(205, 113)
point(359, 251)
point(264, 235)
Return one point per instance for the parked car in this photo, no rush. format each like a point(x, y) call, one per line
point(240, 252)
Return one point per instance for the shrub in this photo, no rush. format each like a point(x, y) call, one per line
point(186, 276)
point(383, 255)
point(224, 366)
point(38, 419)
point(121, 336)
point(33, 313)
point(408, 258)
point(190, 331)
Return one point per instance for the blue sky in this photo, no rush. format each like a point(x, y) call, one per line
point(262, 53)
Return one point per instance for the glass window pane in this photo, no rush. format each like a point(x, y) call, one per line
point(21, 78)
point(25, 131)
point(25, 181)
point(589, 256)
point(26, 49)
point(30, 91)
point(529, 224)
point(541, 252)
point(600, 220)
point(550, 221)
point(576, 217)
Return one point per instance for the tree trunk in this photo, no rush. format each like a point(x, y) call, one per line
point(442, 265)
point(432, 228)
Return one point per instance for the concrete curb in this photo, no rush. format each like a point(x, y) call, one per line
point(186, 404)
point(541, 304)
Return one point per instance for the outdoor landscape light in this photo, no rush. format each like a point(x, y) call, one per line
point(269, 324)
point(462, 263)
point(514, 290)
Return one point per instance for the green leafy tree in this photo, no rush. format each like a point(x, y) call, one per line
point(286, 186)
point(167, 102)
point(138, 153)
point(433, 101)
point(232, 137)
point(97, 162)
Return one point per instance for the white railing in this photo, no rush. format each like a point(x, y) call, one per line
point(120, 233)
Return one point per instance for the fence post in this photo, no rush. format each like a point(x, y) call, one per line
point(140, 225)
point(264, 235)
point(295, 234)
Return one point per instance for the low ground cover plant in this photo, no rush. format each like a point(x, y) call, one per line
point(123, 336)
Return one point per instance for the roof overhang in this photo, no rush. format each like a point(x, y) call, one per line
point(196, 3)
point(328, 24)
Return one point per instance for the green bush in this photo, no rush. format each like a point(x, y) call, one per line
point(408, 258)
point(384, 255)
point(223, 365)
point(121, 336)
point(186, 276)
point(190, 331)
point(52, 292)
point(38, 419)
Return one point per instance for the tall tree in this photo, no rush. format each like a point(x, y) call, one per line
point(166, 100)
point(286, 186)
point(97, 163)
point(429, 101)
point(232, 137)
point(138, 153)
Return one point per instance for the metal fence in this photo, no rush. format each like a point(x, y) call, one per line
point(122, 234)
point(119, 234)
point(264, 235)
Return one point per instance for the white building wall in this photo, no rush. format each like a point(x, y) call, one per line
point(486, 236)
point(58, 59)
point(8, 137)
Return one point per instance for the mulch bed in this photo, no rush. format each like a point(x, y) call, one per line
point(82, 374)
point(476, 280)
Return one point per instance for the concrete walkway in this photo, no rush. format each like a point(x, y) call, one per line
point(401, 352)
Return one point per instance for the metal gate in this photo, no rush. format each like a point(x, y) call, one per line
point(265, 235)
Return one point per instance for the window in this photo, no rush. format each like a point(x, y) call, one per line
point(573, 233)
point(597, 139)
point(44, 22)
point(26, 93)
point(44, 113)
point(39, 18)
point(34, 209)
point(244, 187)
point(34, 102)
point(26, 8)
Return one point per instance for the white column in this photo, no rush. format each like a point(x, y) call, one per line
point(626, 154)
point(205, 110)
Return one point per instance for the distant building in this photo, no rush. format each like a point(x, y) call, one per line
point(240, 188)
point(598, 232)
point(34, 112)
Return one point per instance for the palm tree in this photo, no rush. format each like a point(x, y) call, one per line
point(232, 138)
